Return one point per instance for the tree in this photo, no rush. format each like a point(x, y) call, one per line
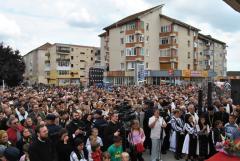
point(12, 66)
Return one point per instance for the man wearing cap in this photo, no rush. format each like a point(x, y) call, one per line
point(53, 129)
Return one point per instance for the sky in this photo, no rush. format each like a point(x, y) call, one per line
point(27, 24)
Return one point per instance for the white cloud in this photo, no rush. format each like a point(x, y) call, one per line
point(81, 18)
point(8, 28)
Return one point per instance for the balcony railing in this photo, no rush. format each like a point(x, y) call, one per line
point(63, 67)
point(63, 59)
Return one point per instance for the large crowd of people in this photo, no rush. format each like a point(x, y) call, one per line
point(69, 124)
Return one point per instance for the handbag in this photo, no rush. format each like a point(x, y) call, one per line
point(140, 148)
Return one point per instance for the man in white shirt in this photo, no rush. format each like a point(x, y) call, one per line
point(156, 123)
point(21, 113)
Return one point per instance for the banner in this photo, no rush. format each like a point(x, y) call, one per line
point(140, 73)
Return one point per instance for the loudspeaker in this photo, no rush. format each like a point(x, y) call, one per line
point(235, 91)
point(209, 96)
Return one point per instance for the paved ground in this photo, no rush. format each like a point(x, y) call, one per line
point(165, 157)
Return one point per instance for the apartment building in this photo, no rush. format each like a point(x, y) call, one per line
point(167, 48)
point(65, 64)
point(212, 55)
point(34, 61)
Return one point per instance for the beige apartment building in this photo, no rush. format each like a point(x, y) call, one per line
point(35, 62)
point(168, 49)
point(66, 64)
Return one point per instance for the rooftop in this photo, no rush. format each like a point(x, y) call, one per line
point(131, 17)
point(180, 23)
point(42, 47)
point(210, 38)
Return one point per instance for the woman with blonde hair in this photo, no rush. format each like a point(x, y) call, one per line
point(4, 138)
point(136, 138)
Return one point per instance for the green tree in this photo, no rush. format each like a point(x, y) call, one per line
point(12, 66)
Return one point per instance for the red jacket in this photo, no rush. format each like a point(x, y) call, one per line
point(12, 134)
point(97, 155)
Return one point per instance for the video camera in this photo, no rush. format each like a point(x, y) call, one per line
point(125, 112)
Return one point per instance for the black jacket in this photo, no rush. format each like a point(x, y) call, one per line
point(222, 116)
point(109, 132)
point(64, 151)
point(42, 151)
point(73, 126)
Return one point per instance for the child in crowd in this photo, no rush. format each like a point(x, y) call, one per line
point(25, 157)
point(116, 149)
point(96, 152)
point(106, 156)
point(125, 156)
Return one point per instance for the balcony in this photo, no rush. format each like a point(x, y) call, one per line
point(138, 45)
point(63, 67)
point(63, 49)
point(166, 34)
point(135, 58)
point(173, 34)
point(63, 59)
point(138, 31)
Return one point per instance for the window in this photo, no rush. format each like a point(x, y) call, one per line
point(175, 28)
point(82, 53)
point(147, 26)
point(122, 53)
point(206, 62)
point(72, 49)
point(82, 60)
point(63, 63)
point(131, 65)
point(200, 63)
point(164, 40)
point(188, 66)
point(189, 55)
point(122, 66)
point(147, 52)
point(142, 51)
point(122, 29)
point(165, 53)
point(130, 38)
point(130, 52)
point(71, 57)
point(71, 65)
point(147, 65)
point(147, 39)
point(63, 72)
point(91, 58)
point(189, 43)
point(200, 53)
point(141, 38)
point(131, 26)
point(122, 40)
point(167, 28)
